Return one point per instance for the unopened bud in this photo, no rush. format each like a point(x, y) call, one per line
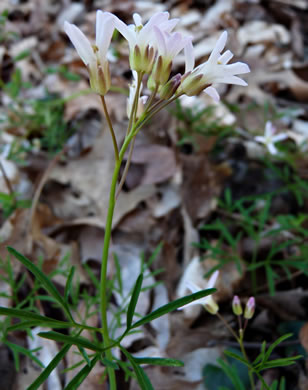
point(169, 89)
point(236, 306)
point(250, 308)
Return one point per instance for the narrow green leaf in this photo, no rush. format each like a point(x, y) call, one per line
point(81, 376)
point(173, 306)
point(133, 301)
point(154, 254)
point(24, 351)
point(232, 374)
point(281, 362)
point(51, 366)
point(109, 363)
point(159, 361)
point(141, 376)
point(29, 324)
point(275, 344)
point(84, 355)
point(237, 357)
point(45, 281)
point(33, 317)
point(68, 285)
point(76, 340)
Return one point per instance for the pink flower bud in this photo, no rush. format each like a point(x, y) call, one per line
point(169, 89)
point(236, 306)
point(250, 308)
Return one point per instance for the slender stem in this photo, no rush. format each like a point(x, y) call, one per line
point(239, 339)
point(103, 282)
point(151, 98)
point(114, 140)
point(129, 158)
point(132, 116)
point(132, 120)
point(133, 128)
point(228, 327)
point(250, 372)
point(154, 110)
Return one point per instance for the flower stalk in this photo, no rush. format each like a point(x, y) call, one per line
point(153, 47)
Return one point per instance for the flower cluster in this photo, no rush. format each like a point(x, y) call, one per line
point(152, 49)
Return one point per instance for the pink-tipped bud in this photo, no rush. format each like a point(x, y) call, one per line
point(236, 306)
point(169, 89)
point(250, 308)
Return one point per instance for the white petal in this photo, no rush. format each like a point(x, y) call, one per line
point(156, 20)
point(225, 58)
point(272, 149)
point(212, 281)
point(192, 287)
point(169, 25)
point(237, 68)
point(189, 57)
point(161, 41)
point(211, 91)
point(176, 43)
point(260, 138)
point(99, 27)
point(231, 80)
point(269, 129)
point(137, 20)
point(220, 44)
point(81, 43)
point(104, 28)
point(128, 33)
point(279, 137)
point(144, 99)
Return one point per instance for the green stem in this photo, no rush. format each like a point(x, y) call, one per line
point(133, 128)
point(239, 339)
point(103, 282)
point(146, 116)
point(115, 145)
point(129, 158)
point(250, 372)
point(228, 327)
point(132, 116)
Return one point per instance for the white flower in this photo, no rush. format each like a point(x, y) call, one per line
point(95, 56)
point(208, 302)
point(269, 139)
point(215, 70)
point(142, 39)
point(141, 99)
point(168, 47)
